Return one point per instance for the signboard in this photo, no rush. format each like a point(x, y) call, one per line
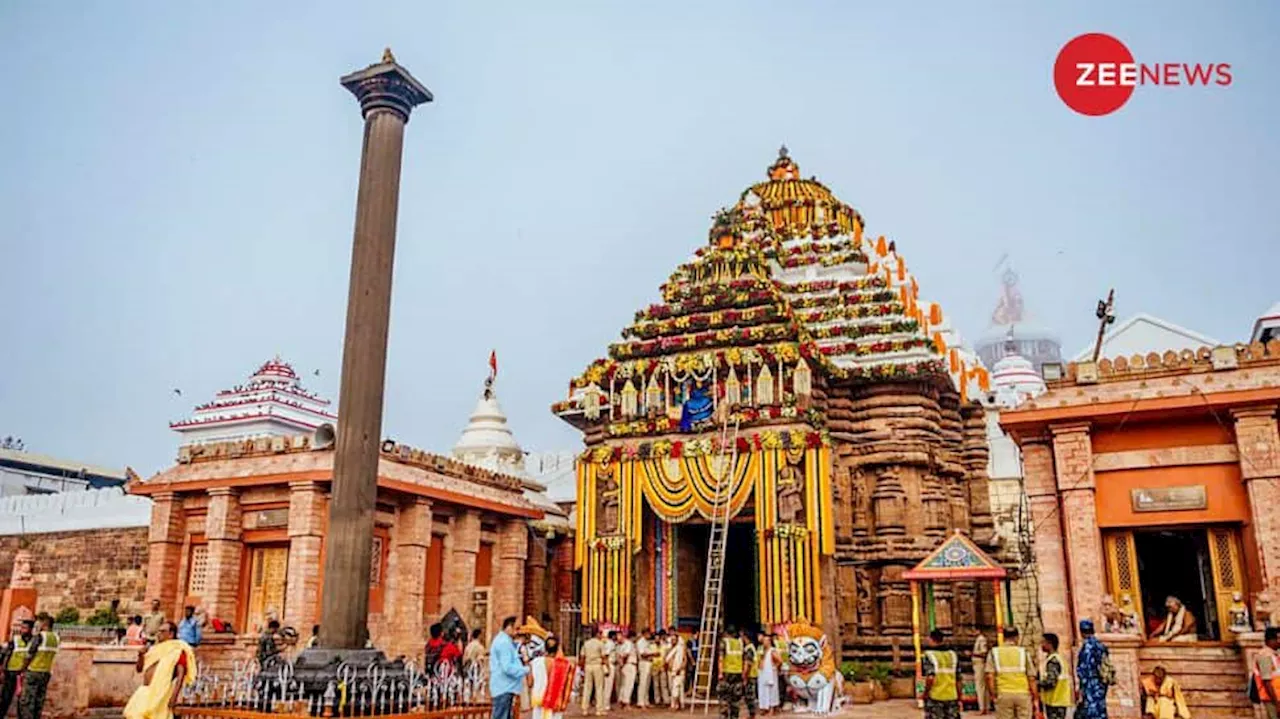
point(273, 518)
point(1169, 499)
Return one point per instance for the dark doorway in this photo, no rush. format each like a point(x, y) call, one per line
point(739, 600)
point(1173, 562)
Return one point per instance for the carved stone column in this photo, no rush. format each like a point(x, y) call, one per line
point(1047, 540)
point(460, 564)
point(1259, 444)
point(165, 541)
point(223, 528)
point(306, 531)
point(508, 575)
point(1073, 466)
point(407, 573)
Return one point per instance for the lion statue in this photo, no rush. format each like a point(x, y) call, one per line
point(813, 669)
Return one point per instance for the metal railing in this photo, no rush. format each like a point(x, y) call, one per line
point(248, 692)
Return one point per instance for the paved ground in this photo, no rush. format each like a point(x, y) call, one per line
point(894, 709)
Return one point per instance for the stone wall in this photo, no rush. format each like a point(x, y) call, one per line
point(86, 570)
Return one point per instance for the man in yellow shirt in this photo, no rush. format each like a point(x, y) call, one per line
point(1055, 680)
point(1011, 678)
point(941, 670)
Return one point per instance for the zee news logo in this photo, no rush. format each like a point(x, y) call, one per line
point(1096, 74)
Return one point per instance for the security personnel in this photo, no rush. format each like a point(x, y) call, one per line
point(751, 673)
point(1009, 679)
point(941, 669)
point(38, 669)
point(18, 649)
point(731, 667)
point(1055, 681)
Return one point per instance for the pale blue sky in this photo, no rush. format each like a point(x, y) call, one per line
point(177, 183)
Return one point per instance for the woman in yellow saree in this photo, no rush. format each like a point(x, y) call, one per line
point(166, 668)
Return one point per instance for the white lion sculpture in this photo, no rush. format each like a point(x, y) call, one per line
point(813, 669)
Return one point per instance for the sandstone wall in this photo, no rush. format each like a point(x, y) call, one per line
point(85, 570)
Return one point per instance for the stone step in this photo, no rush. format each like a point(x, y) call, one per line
point(1188, 651)
point(1216, 698)
point(1210, 682)
point(1190, 667)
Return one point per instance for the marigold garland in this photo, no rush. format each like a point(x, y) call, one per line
point(875, 348)
point(706, 320)
point(861, 283)
point(839, 300)
point(731, 335)
point(675, 449)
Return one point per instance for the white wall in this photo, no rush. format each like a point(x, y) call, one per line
point(73, 511)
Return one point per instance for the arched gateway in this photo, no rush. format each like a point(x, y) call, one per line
point(860, 447)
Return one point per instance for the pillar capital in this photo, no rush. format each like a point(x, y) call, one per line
point(1066, 428)
point(386, 87)
point(223, 492)
point(1263, 412)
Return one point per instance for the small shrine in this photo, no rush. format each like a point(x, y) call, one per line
point(794, 358)
point(957, 559)
point(273, 403)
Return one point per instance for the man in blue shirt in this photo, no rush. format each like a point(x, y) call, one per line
point(506, 671)
point(189, 627)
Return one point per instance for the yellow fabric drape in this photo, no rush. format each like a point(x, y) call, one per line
point(151, 701)
point(676, 488)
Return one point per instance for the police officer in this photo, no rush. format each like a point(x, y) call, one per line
point(731, 669)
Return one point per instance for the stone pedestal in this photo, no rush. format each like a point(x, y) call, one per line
point(1125, 698)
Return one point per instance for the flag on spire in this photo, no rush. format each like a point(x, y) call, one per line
point(493, 364)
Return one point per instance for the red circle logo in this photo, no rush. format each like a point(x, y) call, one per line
point(1094, 74)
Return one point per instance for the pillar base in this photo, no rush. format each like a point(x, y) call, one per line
point(374, 684)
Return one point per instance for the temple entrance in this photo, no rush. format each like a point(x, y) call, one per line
point(739, 605)
point(1177, 563)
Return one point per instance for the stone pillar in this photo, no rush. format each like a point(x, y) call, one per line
point(1259, 444)
point(406, 574)
point(306, 536)
point(387, 93)
point(535, 579)
point(508, 571)
point(223, 527)
point(460, 563)
point(1047, 542)
point(1073, 465)
point(164, 545)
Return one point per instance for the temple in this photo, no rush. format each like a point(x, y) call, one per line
point(794, 357)
point(272, 403)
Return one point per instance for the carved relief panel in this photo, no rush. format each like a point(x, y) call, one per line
point(607, 509)
point(889, 503)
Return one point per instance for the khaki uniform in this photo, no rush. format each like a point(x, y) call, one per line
point(610, 670)
point(593, 680)
point(979, 672)
point(1014, 672)
point(627, 665)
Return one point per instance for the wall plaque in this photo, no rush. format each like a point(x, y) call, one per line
point(268, 518)
point(1169, 499)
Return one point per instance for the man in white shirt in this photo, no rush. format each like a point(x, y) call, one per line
point(610, 666)
point(677, 656)
point(627, 660)
point(645, 652)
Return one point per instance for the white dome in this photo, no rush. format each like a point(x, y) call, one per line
point(1014, 380)
point(487, 441)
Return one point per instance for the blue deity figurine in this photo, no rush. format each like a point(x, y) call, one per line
point(697, 407)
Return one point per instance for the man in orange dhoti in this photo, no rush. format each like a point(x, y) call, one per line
point(550, 682)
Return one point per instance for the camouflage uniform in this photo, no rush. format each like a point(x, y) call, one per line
point(749, 694)
point(934, 709)
point(731, 695)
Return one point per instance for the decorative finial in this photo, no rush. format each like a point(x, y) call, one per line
point(387, 57)
point(782, 152)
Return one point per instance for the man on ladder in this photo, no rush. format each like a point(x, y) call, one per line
point(731, 671)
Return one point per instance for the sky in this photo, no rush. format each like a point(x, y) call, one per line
point(178, 182)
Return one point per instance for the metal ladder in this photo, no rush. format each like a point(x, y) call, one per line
point(712, 590)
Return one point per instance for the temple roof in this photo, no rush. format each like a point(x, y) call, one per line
point(957, 558)
point(272, 403)
point(487, 440)
point(1144, 333)
point(786, 277)
point(1267, 326)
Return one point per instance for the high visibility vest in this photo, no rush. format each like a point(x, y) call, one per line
point(753, 661)
point(1011, 670)
point(42, 663)
point(1060, 694)
point(732, 656)
point(944, 675)
point(19, 655)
